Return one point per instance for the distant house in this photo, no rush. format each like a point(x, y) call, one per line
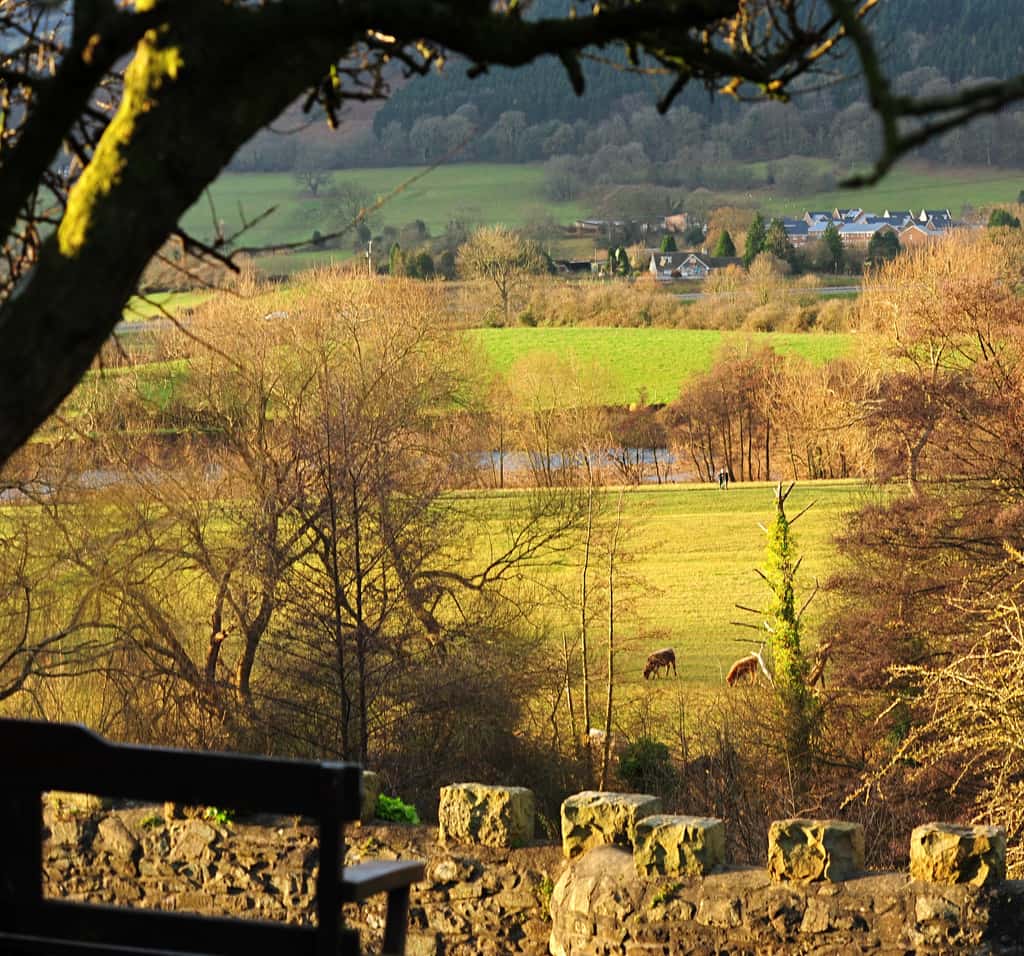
point(598, 227)
point(861, 233)
point(618, 230)
point(574, 266)
point(677, 222)
point(666, 266)
point(798, 230)
point(941, 218)
point(915, 232)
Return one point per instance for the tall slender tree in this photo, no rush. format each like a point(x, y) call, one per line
point(789, 667)
point(754, 245)
point(834, 246)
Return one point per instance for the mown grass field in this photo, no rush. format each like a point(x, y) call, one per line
point(473, 192)
point(691, 551)
point(656, 361)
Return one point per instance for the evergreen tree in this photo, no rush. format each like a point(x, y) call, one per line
point(790, 668)
point(446, 264)
point(834, 244)
point(421, 266)
point(882, 247)
point(756, 235)
point(725, 247)
point(1000, 217)
point(694, 235)
point(396, 260)
point(668, 243)
point(776, 241)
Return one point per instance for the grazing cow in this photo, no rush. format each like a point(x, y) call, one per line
point(745, 667)
point(665, 658)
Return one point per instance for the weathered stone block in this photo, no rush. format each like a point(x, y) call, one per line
point(944, 853)
point(117, 839)
point(678, 845)
point(596, 818)
point(599, 889)
point(493, 816)
point(193, 842)
point(803, 851)
point(65, 800)
point(371, 791)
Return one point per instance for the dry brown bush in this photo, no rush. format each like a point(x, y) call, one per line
point(611, 302)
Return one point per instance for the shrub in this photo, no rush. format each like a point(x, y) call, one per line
point(835, 315)
point(645, 766)
point(395, 809)
point(219, 815)
point(765, 318)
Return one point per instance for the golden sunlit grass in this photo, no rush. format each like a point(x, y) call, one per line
point(693, 550)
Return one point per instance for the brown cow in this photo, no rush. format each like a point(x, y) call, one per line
point(744, 667)
point(665, 658)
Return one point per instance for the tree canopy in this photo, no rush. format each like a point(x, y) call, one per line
point(100, 164)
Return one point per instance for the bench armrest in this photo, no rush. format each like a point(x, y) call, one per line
point(364, 880)
point(393, 877)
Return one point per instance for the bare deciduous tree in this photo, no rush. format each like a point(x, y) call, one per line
point(502, 259)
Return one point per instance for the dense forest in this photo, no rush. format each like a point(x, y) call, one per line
point(958, 38)
point(613, 134)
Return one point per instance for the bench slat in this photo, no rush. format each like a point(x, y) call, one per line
point(17, 945)
point(364, 880)
point(187, 932)
point(70, 757)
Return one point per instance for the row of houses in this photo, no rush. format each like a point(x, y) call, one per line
point(858, 226)
point(855, 227)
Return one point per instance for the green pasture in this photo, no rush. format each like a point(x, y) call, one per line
point(630, 364)
point(910, 186)
point(654, 360)
point(480, 193)
point(152, 304)
point(476, 193)
point(289, 263)
point(689, 558)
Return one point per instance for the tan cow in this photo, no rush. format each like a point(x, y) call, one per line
point(745, 667)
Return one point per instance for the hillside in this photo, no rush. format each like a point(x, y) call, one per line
point(613, 134)
point(957, 38)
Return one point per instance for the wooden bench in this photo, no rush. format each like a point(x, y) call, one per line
point(36, 757)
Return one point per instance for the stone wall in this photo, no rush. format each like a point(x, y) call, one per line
point(476, 899)
point(601, 906)
point(481, 899)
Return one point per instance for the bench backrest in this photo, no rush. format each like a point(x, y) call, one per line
point(36, 757)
